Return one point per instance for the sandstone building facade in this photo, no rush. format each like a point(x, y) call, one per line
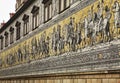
point(61, 41)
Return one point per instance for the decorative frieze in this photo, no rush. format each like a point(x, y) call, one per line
point(108, 59)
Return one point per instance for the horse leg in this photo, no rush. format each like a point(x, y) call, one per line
point(104, 36)
point(92, 40)
point(108, 36)
point(101, 37)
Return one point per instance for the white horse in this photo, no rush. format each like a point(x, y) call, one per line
point(106, 28)
point(116, 7)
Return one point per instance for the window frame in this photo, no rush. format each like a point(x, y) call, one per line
point(6, 39)
point(2, 42)
point(35, 17)
point(64, 5)
point(11, 35)
point(47, 11)
point(25, 24)
point(18, 30)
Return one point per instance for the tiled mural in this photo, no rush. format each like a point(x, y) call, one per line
point(95, 24)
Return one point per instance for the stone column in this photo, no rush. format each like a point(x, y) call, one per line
point(14, 38)
point(3, 42)
point(8, 38)
point(42, 13)
point(21, 29)
point(30, 22)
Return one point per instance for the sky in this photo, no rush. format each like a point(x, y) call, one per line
point(6, 7)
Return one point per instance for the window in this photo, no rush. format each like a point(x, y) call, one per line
point(64, 4)
point(50, 10)
point(1, 38)
point(47, 10)
point(18, 24)
point(46, 14)
point(11, 35)
point(6, 39)
point(35, 17)
point(26, 24)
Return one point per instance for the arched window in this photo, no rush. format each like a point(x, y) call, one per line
point(26, 24)
point(1, 42)
point(6, 39)
point(63, 4)
point(35, 17)
point(11, 35)
point(18, 30)
point(47, 10)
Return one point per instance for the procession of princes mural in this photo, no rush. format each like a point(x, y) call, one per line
point(100, 26)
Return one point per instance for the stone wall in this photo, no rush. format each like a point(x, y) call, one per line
point(91, 78)
point(98, 55)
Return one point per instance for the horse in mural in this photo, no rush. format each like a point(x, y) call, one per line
point(90, 30)
point(70, 36)
point(54, 40)
point(116, 11)
point(46, 47)
point(78, 33)
point(43, 45)
point(10, 59)
point(19, 55)
point(34, 48)
point(106, 25)
point(26, 51)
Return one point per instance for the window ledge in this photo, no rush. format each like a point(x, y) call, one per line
point(75, 4)
point(55, 16)
point(35, 28)
point(63, 10)
point(48, 20)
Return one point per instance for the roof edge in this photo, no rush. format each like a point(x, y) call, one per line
point(17, 14)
